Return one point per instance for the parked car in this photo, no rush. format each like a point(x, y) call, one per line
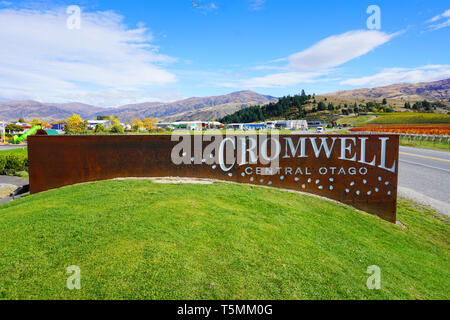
point(320, 130)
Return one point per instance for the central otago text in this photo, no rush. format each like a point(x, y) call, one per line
point(229, 151)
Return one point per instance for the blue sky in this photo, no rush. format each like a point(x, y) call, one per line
point(129, 52)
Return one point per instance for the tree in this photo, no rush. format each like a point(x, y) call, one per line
point(39, 122)
point(75, 124)
point(150, 124)
point(99, 128)
point(321, 106)
point(116, 128)
point(407, 105)
point(384, 101)
point(136, 124)
point(330, 106)
point(21, 120)
point(12, 128)
point(114, 120)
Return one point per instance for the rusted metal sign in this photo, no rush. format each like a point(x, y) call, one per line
point(359, 170)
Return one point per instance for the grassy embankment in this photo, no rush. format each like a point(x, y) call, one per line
point(135, 239)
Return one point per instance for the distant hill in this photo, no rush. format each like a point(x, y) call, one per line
point(434, 91)
point(205, 108)
point(28, 109)
point(217, 107)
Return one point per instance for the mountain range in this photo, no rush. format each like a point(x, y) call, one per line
point(433, 91)
point(207, 108)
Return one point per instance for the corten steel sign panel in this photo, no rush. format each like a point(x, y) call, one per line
point(359, 170)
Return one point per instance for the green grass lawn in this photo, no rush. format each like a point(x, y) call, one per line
point(425, 144)
point(23, 150)
point(355, 120)
point(135, 239)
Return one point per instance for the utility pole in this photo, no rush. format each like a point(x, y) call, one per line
point(4, 135)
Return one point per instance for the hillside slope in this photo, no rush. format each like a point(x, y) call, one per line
point(434, 91)
point(215, 112)
point(28, 109)
point(191, 107)
point(204, 108)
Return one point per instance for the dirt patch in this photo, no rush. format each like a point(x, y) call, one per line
point(6, 189)
point(175, 180)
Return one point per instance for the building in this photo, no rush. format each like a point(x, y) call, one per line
point(254, 126)
point(93, 123)
point(191, 125)
point(246, 126)
point(166, 125)
point(315, 124)
point(58, 126)
point(287, 124)
point(235, 126)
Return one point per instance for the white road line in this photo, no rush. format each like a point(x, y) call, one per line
point(424, 165)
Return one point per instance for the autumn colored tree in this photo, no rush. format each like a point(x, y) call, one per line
point(136, 124)
point(114, 120)
point(150, 124)
point(39, 122)
point(75, 124)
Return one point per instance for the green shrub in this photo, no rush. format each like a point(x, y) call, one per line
point(2, 163)
point(117, 128)
point(12, 163)
point(99, 128)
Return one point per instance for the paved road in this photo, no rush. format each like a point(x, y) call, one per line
point(11, 147)
point(425, 174)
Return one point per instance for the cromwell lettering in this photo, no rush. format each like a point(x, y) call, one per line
point(242, 147)
point(301, 142)
point(222, 154)
point(363, 153)
point(345, 148)
point(275, 154)
point(323, 145)
point(383, 156)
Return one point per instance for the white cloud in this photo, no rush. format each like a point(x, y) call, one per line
point(336, 50)
point(402, 75)
point(257, 4)
point(284, 79)
point(207, 7)
point(317, 61)
point(41, 59)
point(446, 23)
point(445, 14)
